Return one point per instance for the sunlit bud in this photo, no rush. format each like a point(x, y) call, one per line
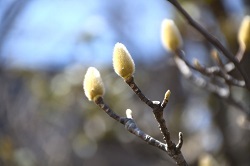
point(197, 64)
point(122, 61)
point(244, 33)
point(129, 113)
point(167, 95)
point(92, 84)
point(170, 35)
point(215, 56)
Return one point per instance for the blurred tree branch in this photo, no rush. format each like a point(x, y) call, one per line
point(213, 40)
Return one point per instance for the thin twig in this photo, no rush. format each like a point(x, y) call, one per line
point(214, 71)
point(99, 101)
point(131, 126)
point(212, 39)
point(222, 92)
point(180, 143)
point(239, 55)
point(157, 108)
point(138, 92)
point(199, 81)
point(158, 113)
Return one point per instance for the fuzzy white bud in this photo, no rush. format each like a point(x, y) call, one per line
point(92, 84)
point(170, 35)
point(122, 61)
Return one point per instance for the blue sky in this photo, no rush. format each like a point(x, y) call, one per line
point(59, 32)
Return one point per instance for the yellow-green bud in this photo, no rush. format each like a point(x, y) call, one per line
point(122, 61)
point(197, 64)
point(92, 84)
point(167, 95)
point(170, 35)
point(244, 33)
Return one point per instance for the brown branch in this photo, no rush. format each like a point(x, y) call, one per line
point(213, 40)
point(158, 113)
point(222, 92)
point(138, 92)
point(213, 71)
point(158, 108)
point(130, 125)
point(173, 152)
point(99, 101)
point(199, 81)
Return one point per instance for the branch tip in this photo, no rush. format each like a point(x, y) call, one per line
point(197, 64)
point(213, 40)
point(167, 95)
point(180, 142)
point(166, 98)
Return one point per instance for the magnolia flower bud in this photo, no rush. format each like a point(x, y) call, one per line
point(92, 84)
point(122, 61)
point(167, 95)
point(244, 33)
point(170, 35)
point(197, 64)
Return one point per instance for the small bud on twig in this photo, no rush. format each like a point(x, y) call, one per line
point(170, 35)
point(244, 33)
point(166, 98)
point(92, 84)
point(216, 57)
point(167, 95)
point(129, 113)
point(197, 64)
point(122, 61)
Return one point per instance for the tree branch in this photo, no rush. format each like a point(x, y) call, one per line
point(158, 108)
point(138, 92)
point(130, 125)
point(214, 71)
point(222, 92)
point(212, 39)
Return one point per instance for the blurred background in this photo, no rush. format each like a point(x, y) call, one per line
point(45, 49)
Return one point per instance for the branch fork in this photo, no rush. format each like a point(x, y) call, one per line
point(157, 109)
point(235, 60)
point(169, 147)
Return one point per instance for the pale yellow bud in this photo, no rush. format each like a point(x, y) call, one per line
point(167, 95)
point(122, 61)
point(197, 64)
point(92, 84)
point(170, 35)
point(244, 33)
